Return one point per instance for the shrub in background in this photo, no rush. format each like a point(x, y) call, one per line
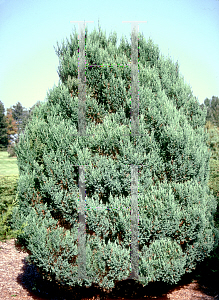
point(8, 188)
point(11, 150)
point(213, 141)
point(176, 207)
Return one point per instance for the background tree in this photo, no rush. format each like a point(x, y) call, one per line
point(11, 127)
point(18, 115)
point(212, 106)
point(3, 127)
point(176, 208)
point(212, 125)
point(22, 116)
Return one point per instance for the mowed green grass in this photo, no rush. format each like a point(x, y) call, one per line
point(8, 165)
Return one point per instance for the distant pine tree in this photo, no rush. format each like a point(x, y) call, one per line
point(176, 228)
point(3, 127)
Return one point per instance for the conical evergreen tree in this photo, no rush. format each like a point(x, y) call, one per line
point(175, 206)
point(3, 127)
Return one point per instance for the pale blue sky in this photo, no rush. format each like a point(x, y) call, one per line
point(187, 30)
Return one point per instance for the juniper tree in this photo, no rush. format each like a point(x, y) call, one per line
point(175, 206)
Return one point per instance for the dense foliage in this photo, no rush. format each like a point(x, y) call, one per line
point(212, 106)
point(176, 227)
point(3, 127)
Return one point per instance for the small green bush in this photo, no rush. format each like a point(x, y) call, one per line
point(11, 150)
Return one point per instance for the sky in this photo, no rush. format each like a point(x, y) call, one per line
point(187, 31)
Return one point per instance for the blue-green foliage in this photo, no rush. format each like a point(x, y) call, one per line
point(176, 227)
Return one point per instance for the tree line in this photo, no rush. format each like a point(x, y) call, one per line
point(13, 124)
